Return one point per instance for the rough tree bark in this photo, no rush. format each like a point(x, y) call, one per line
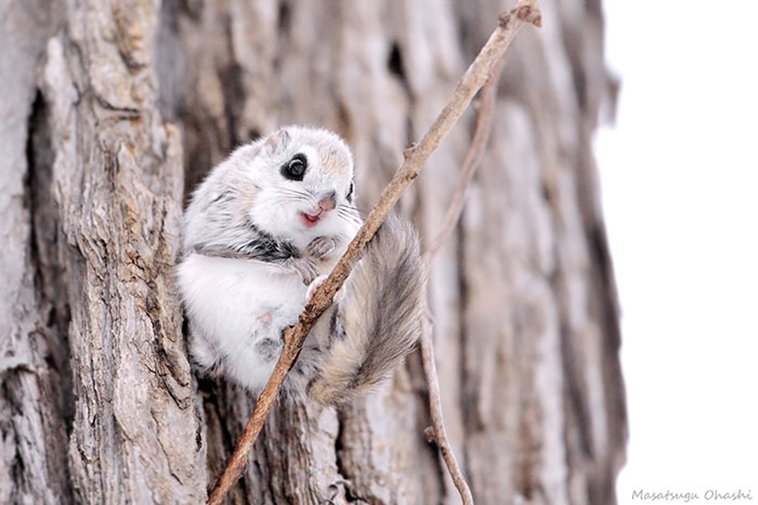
point(113, 109)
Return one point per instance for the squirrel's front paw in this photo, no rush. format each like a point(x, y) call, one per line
point(304, 267)
point(320, 247)
point(313, 286)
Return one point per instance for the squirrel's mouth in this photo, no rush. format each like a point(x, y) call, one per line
point(310, 220)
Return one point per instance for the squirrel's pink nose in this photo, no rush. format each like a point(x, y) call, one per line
point(328, 202)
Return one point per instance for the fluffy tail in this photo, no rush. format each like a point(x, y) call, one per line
point(378, 318)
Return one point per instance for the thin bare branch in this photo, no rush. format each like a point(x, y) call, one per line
point(415, 155)
point(483, 129)
point(487, 99)
point(478, 142)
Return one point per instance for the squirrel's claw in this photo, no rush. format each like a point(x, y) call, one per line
point(313, 286)
point(304, 267)
point(320, 247)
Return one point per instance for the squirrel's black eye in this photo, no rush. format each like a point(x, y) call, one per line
point(294, 169)
point(349, 195)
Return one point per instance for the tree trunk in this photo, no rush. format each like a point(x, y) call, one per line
point(113, 110)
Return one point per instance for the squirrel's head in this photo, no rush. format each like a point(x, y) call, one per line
point(303, 183)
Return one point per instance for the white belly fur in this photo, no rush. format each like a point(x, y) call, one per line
point(234, 305)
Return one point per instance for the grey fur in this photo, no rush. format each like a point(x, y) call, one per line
point(379, 318)
point(265, 248)
point(269, 349)
point(258, 245)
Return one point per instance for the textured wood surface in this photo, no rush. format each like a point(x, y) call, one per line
point(112, 110)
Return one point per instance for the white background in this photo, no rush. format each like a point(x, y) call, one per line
point(680, 191)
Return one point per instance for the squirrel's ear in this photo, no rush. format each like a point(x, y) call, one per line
point(277, 140)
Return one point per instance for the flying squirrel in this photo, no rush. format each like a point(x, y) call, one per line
point(260, 233)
